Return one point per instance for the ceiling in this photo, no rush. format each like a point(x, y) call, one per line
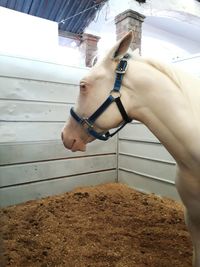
point(75, 14)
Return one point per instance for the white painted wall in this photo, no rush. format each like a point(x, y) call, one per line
point(26, 35)
point(144, 163)
point(32, 37)
point(35, 98)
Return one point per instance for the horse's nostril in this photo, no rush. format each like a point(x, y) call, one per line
point(62, 136)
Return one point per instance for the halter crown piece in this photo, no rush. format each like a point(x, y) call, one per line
point(88, 123)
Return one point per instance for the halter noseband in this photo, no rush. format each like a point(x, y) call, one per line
point(88, 123)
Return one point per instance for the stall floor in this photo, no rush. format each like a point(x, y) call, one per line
point(109, 225)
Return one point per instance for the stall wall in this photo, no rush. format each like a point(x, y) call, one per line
point(144, 163)
point(35, 98)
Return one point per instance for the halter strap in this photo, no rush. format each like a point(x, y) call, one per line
point(122, 110)
point(102, 108)
point(89, 122)
point(120, 71)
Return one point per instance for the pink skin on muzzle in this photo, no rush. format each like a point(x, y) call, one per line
point(73, 141)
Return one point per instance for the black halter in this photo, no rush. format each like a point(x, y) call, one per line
point(88, 123)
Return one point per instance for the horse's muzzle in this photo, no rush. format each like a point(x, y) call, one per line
point(73, 144)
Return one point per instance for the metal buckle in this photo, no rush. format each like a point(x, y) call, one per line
point(87, 123)
point(122, 69)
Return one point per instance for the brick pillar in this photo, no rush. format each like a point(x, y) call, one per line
point(130, 20)
point(89, 47)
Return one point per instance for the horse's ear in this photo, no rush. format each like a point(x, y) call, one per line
point(122, 46)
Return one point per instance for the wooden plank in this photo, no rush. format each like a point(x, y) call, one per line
point(162, 170)
point(33, 111)
point(12, 153)
point(30, 131)
point(21, 193)
point(147, 185)
point(23, 89)
point(137, 131)
point(145, 149)
point(33, 69)
point(26, 173)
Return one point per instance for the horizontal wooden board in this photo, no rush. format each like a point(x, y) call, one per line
point(150, 167)
point(148, 185)
point(145, 149)
point(12, 153)
point(32, 69)
point(29, 172)
point(137, 131)
point(33, 111)
point(21, 193)
point(24, 89)
point(30, 131)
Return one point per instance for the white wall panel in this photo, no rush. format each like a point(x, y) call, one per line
point(15, 88)
point(137, 131)
point(145, 149)
point(148, 166)
point(30, 131)
point(33, 111)
point(21, 193)
point(12, 153)
point(144, 163)
point(35, 98)
point(149, 184)
point(39, 171)
point(31, 69)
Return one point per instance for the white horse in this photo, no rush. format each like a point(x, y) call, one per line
point(165, 99)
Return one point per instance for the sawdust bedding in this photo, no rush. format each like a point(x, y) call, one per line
point(109, 225)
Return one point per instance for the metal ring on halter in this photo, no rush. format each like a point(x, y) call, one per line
point(116, 92)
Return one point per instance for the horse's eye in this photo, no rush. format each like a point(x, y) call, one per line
point(83, 87)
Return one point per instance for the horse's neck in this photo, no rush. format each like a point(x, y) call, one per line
point(176, 133)
point(191, 90)
point(166, 112)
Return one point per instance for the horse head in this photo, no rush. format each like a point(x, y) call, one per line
point(100, 106)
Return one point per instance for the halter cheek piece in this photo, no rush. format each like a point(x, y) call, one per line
point(88, 123)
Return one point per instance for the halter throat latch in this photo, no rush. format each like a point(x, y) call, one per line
point(88, 123)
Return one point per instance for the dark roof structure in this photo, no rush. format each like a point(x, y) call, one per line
point(74, 15)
